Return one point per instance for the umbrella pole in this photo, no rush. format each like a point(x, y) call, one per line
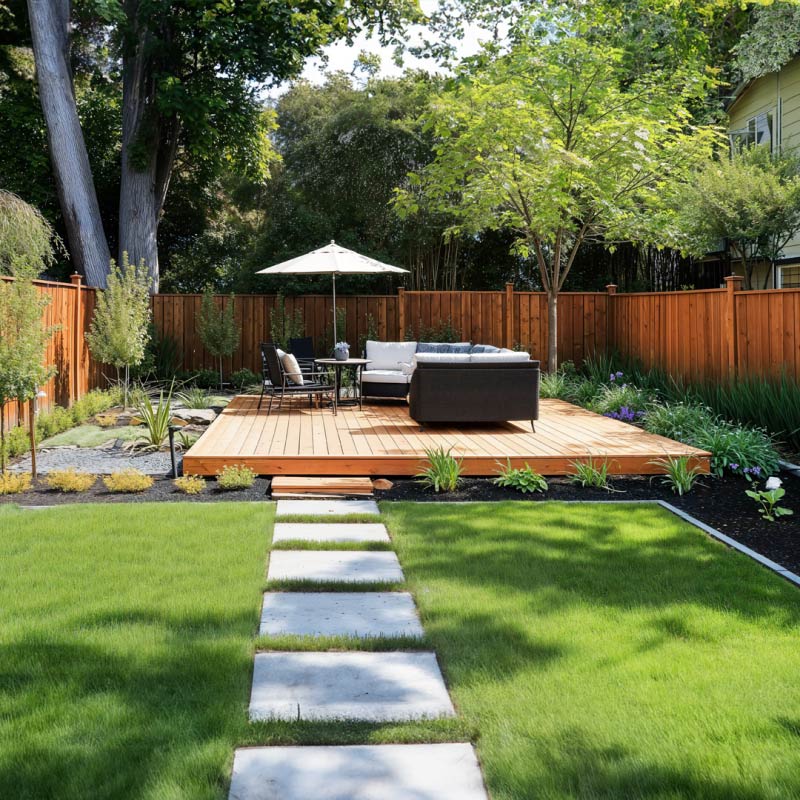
point(335, 338)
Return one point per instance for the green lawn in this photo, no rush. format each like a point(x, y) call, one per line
point(608, 651)
point(126, 648)
point(592, 651)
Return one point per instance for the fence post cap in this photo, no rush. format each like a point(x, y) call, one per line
point(76, 278)
point(611, 288)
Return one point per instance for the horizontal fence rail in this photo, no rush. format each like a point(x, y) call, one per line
point(698, 335)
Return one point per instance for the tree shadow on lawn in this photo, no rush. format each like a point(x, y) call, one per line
point(108, 721)
point(558, 562)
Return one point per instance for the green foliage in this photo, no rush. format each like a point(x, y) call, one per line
point(678, 475)
point(768, 500)
point(679, 421)
point(217, 327)
point(442, 331)
point(128, 481)
point(284, 325)
point(235, 476)
point(26, 237)
point(523, 479)
point(442, 472)
point(589, 474)
point(736, 447)
point(615, 397)
point(118, 334)
point(751, 199)
point(194, 397)
point(70, 480)
point(244, 378)
point(771, 41)
point(557, 385)
point(156, 419)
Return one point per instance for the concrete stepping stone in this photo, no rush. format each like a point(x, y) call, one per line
point(330, 532)
point(378, 687)
point(360, 772)
point(348, 566)
point(327, 508)
point(359, 614)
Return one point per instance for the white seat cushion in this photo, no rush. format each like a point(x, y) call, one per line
point(384, 376)
point(507, 357)
point(389, 355)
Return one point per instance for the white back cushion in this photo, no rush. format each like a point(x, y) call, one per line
point(441, 358)
point(292, 369)
point(389, 355)
point(507, 357)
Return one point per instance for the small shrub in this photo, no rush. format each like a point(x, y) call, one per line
point(679, 421)
point(523, 479)
point(557, 385)
point(235, 476)
point(588, 475)
point(15, 482)
point(128, 481)
point(206, 379)
point(195, 397)
point(190, 484)
point(615, 397)
point(768, 499)
point(679, 476)
point(70, 480)
point(106, 420)
point(443, 471)
point(736, 448)
point(243, 378)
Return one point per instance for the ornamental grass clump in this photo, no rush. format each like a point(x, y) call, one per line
point(70, 480)
point(190, 484)
point(235, 476)
point(128, 481)
point(194, 397)
point(15, 482)
point(590, 475)
point(442, 472)
point(523, 479)
point(156, 419)
point(678, 474)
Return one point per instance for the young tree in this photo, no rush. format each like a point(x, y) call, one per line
point(558, 142)
point(118, 333)
point(750, 198)
point(217, 328)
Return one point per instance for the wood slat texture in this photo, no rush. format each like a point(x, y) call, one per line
point(384, 440)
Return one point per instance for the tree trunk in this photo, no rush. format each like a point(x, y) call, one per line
point(552, 331)
point(149, 143)
point(49, 20)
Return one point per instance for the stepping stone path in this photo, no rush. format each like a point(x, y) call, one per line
point(357, 614)
point(330, 532)
point(347, 566)
point(347, 685)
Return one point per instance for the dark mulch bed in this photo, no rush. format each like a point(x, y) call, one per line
point(161, 491)
point(719, 502)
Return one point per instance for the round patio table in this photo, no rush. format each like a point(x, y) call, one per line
point(354, 363)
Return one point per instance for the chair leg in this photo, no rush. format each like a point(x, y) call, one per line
point(260, 398)
point(271, 398)
point(533, 427)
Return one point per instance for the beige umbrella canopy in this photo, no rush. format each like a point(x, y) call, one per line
point(333, 260)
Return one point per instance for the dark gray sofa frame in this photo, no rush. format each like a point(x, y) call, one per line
point(485, 392)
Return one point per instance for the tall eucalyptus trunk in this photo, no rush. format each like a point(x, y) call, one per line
point(50, 21)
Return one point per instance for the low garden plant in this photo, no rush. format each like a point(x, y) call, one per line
point(442, 472)
point(768, 500)
point(128, 481)
point(156, 419)
point(523, 479)
point(591, 475)
point(678, 474)
point(190, 484)
point(194, 397)
point(15, 482)
point(70, 480)
point(243, 379)
point(235, 476)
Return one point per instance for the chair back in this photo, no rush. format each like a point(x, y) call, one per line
point(302, 348)
point(271, 364)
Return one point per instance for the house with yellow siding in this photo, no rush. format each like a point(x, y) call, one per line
point(766, 112)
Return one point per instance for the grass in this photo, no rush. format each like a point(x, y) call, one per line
point(92, 436)
point(607, 651)
point(126, 648)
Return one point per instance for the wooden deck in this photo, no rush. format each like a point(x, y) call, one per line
point(382, 440)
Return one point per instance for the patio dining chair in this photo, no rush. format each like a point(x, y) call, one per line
point(303, 350)
point(275, 381)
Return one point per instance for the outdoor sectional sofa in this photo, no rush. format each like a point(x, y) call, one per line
point(454, 382)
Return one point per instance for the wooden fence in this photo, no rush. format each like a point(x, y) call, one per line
point(696, 335)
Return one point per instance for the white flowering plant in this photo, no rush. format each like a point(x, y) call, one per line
point(768, 499)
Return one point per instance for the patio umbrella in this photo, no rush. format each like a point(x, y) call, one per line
point(333, 260)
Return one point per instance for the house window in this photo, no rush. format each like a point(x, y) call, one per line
point(759, 131)
point(789, 277)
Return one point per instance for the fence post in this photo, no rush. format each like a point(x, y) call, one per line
point(401, 313)
point(733, 284)
point(611, 290)
point(509, 332)
point(75, 280)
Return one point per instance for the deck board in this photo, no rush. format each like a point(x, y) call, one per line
point(384, 440)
